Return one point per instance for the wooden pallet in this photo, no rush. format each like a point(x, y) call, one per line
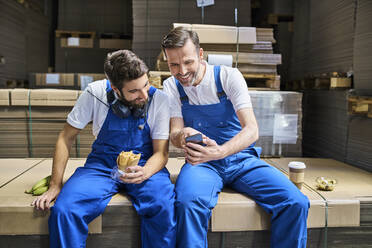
point(16, 84)
point(115, 36)
point(254, 81)
point(274, 19)
point(320, 83)
point(77, 34)
point(360, 105)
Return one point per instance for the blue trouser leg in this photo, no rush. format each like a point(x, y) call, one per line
point(272, 190)
point(83, 198)
point(154, 202)
point(197, 189)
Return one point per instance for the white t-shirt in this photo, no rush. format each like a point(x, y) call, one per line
point(232, 81)
point(88, 108)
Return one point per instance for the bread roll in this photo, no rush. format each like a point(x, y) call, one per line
point(126, 159)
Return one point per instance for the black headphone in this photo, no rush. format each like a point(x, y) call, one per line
point(123, 111)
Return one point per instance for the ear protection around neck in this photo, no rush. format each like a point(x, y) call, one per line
point(123, 111)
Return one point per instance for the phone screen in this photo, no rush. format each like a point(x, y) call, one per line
point(196, 138)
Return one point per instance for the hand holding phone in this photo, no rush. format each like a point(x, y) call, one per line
point(196, 138)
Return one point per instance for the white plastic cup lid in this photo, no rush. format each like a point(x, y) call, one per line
point(297, 165)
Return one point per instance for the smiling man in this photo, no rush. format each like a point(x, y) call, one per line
point(214, 101)
point(127, 115)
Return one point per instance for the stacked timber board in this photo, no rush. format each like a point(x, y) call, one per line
point(349, 206)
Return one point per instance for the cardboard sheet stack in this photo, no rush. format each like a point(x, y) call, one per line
point(30, 121)
point(363, 46)
point(25, 47)
point(279, 117)
point(323, 41)
point(249, 47)
point(152, 19)
point(331, 132)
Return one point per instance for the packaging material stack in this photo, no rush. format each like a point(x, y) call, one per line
point(153, 19)
point(24, 46)
point(32, 119)
point(325, 124)
point(359, 149)
point(363, 46)
point(77, 81)
point(279, 117)
point(323, 40)
point(87, 31)
point(300, 51)
point(247, 47)
point(37, 37)
point(331, 131)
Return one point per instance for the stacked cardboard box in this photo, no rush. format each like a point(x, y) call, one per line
point(31, 124)
point(279, 118)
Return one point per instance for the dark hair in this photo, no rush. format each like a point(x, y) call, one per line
point(177, 37)
point(123, 65)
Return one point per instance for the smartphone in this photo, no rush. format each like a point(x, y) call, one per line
point(196, 138)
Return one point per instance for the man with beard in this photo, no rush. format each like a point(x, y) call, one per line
point(127, 115)
point(214, 101)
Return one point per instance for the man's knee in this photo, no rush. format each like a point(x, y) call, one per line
point(190, 201)
point(299, 203)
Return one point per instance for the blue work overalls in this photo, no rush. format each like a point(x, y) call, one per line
point(87, 193)
point(197, 186)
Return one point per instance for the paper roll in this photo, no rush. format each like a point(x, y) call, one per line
point(220, 59)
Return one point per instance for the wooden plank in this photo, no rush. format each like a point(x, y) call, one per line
point(360, 105)
point(69, 33)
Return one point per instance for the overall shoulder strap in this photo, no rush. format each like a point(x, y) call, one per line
point(220, 93)
point(183, 97)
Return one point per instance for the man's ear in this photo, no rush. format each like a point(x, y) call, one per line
point(117, 91)
point(201, 53)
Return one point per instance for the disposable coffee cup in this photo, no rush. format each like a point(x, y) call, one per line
point(297, 173)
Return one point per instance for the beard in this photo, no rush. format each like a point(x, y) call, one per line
point(132, 104)
point(192, 80)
